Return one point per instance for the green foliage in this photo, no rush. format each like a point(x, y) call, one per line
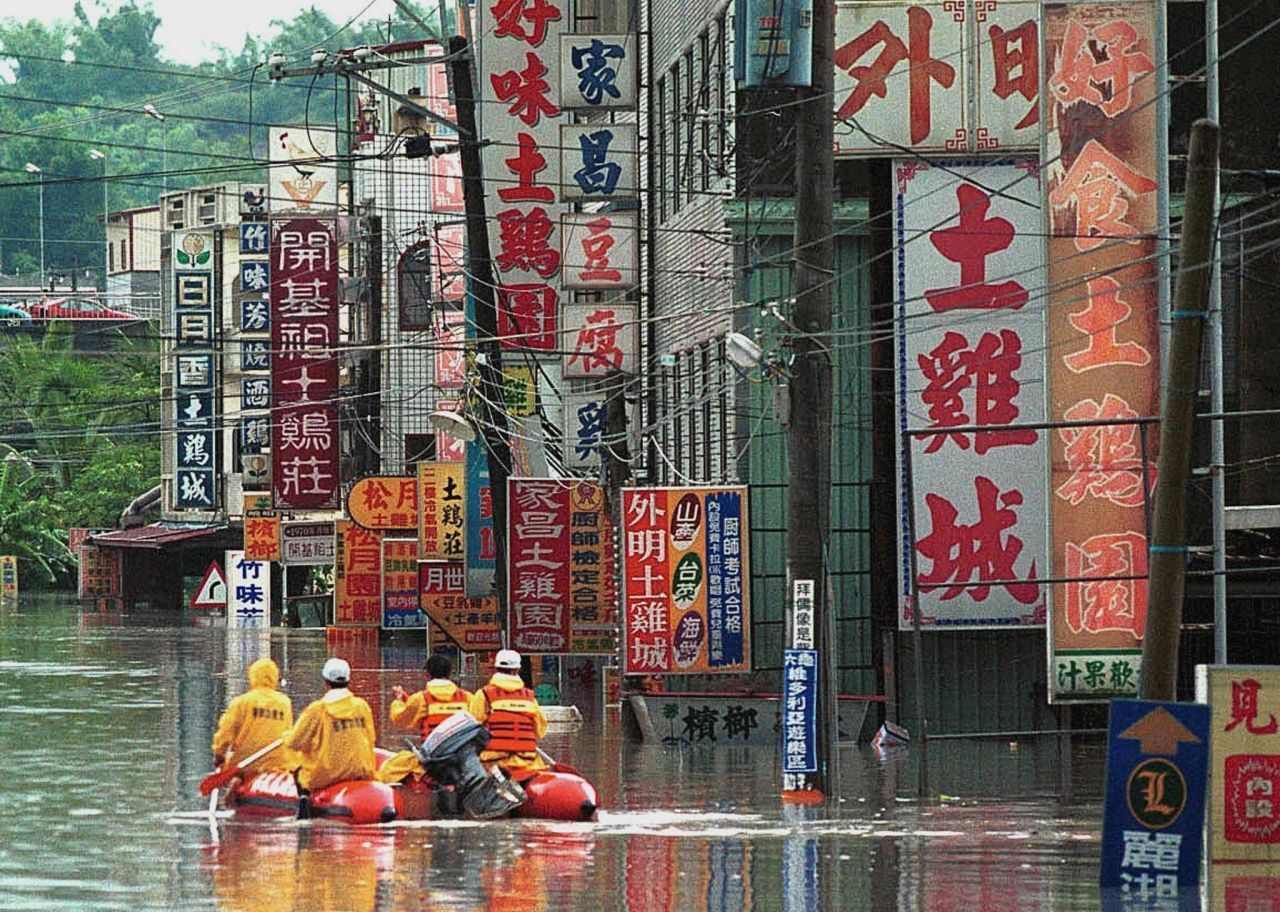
point(52, 112)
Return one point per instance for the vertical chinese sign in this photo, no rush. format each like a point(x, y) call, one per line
point(357, 588)
point(400, 584)
point(965, 73)
point(599, 339)
point(442, 525)
point(593, 608)
point(584, 428)
point(519, 95)
point(248, 591)
point(686, 605)
point(1103, 338)
point(538, 573)
point(482, 552)
point(304, 367)
point(262, 537)
point(195, 340)
point(1244, 784)
point(970, 345)
point(251, 297)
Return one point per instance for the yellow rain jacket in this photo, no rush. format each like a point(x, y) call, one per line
point(256, 718)
point(520, 704)
point(426, 709)
point(335, 739)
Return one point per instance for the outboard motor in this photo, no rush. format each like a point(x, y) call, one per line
point(451, 757)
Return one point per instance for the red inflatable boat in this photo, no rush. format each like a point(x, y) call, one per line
point(276, 795)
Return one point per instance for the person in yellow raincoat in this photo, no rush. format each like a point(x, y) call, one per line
point(511, 713)
point(253, 720)
point(422, 712)
point(334, 736)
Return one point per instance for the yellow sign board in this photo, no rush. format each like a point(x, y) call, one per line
point(8, 577)
point(442, 522)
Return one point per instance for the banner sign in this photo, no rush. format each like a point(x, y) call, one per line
point(593, 618)
point(388, 502)
point(196, 390)
point(400, 584)
point(471, 623)
point(951, 76)
point(9, 577)
point(971, 352)
point(99, 568)
point(1104, 338)
point(304, 367)
point(306, 544)
point(686, 573)
point(520, 101)
point(1153, 818)
point(599, 339)
point(357, 586)
point(248, 591)
point(262, 538)
point(251, 324)
point(1244, 763)
point(538, 572)
point(442, 521)
point(482, 552)
point(800, 711)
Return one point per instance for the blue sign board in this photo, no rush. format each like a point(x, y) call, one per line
point(800, 710)
point(254, 237)
point(1153, 822)
point(255, 276)
point(255, 316)
point(724, 578)
point(481, 557)
point(773, 43)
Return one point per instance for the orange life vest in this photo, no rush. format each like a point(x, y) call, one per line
point(438, 710)
point(511, 720)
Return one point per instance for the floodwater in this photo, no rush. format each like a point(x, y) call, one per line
point(105, 722)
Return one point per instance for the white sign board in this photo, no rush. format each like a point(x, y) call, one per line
point(305, 544)
point(584, 428)
point(248, 591)
point(600, 250)
point(802, 635)
point(598, 72)
point(304, 176)
point(599, 339)
point(599, 161)
point(970, 337)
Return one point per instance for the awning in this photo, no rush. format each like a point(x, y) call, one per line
point(154, 536)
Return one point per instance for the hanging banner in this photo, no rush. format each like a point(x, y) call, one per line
point(306, 544)
point(971, 353)
point(262, 538)
point(593, 620)
point(599, 339)
point(304, 367)
point(950, 76)
point(400, 584)
point(1104, 342)
point(538, 575)
point(471, 623)
point(1244, 778)
point(481, 549)
point(388, 502)
point(686, 572)
point(357, 586)
point(442, 522)
point(248, 591)
point(520, 104)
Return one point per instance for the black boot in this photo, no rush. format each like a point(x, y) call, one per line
point(304, 805)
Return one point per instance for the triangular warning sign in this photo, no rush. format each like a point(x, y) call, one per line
point(213, 589)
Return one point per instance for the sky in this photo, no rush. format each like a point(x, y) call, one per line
point(190, 30)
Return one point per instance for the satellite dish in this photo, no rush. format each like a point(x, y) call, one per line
point(453, 424)
point(742, 351)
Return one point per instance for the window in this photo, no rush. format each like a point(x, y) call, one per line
point(413, 280)
point(418, 448)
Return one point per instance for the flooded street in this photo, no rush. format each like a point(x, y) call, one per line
point(105, 722)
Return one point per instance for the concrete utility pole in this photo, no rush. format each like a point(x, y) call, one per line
point(809, 437)
point(484, 291)
point(1167, 565)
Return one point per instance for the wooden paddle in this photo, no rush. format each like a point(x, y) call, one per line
point(219, 778)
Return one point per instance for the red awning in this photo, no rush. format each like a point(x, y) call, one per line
point(156, 535)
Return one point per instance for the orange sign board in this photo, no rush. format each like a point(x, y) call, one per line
point(442, 522)
point(471, 623)
point(387, 502)
point(262, 538)
point(357, 585)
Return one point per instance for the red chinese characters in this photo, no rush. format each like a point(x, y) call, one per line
point(525, 91)
point(595, 248)
point(304, 370)
point(982, 552)
point(1103, 603)
point(1098, 186)
point(1105, 459)
point(1099, 323)
point(357, 596)
point(1099, 66)
point(597, 345)
point(525, 166)
point(969, 244)
point(525, 20)
point(1015, 55)
point(646, 606)
point(921, 69)
point(527, 316)
point(539, 565)
point(985, 374)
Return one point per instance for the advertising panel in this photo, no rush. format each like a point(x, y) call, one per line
point(357, 585)
point(599, 339)
point(306, 544)
point(442, 519)
point(970, 344)
point(248, 591)
point(1104, 342)
point(262, 538)
point(196, 390)
point(686, 573)
point(388, 502)
point(471, 623)
point(400, 607)
point(482, 553)
point(304, 367)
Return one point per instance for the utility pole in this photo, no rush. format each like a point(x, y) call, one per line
point(488, 351)
point(370, 403)
point(809, 433)
point(1167, 564)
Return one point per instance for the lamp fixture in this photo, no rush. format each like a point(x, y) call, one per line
point(742, 351)
point(453, 424)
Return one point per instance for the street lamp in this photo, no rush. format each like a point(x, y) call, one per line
point(150, 110)
point(99, 155)
point(35, 169)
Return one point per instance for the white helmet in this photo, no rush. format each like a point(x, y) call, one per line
point(507, 659)
point(336, 671)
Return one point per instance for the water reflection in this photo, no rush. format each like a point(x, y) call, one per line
point(109, 719)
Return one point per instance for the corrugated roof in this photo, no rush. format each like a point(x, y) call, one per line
point(155, 535)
